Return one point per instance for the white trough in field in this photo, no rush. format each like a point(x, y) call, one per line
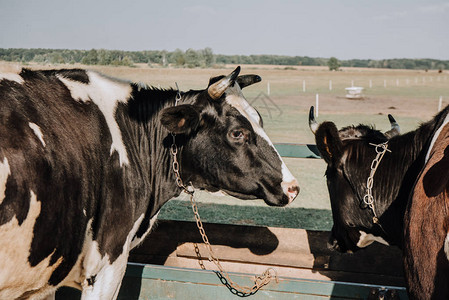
point(354, 92)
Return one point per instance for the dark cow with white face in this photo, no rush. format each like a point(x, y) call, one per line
point(85, 167)
point(349, 154)
point(410, 191)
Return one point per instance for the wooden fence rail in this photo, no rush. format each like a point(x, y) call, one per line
point(166, 265)
point(297, 150)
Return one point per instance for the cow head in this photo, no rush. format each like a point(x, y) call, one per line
point(349, 154)
point(224, 147)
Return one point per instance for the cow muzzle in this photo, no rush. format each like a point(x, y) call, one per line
point(334, 245)
point(291, 189)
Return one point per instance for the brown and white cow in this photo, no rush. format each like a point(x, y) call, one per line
point(85, 166)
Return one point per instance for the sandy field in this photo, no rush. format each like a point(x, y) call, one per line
point(412, 96)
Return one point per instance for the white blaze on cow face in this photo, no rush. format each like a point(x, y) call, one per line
point(21, 276)
point(235, 98)
point(37, 132)
point(5, 171)
point(106, 94)
point(367, 239)
point(12, 77)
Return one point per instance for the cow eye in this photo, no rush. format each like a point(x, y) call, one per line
point(237, 134)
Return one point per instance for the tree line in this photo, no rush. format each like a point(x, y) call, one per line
point(199, 59)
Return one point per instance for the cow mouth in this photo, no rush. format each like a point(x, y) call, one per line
point(270, 202)
point(280, 199)
point(284, 201)
point(336, 247)
point(239, 195)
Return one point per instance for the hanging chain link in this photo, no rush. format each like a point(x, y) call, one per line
point(235, 288)
point(381, 149)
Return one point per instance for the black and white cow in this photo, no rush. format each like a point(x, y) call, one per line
point(410, 192)
point(349, 154)
point(85, 167)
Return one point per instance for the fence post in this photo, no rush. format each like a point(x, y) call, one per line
point(330, 85)
point(440, 103)
point(370, 83)
point(268, 88)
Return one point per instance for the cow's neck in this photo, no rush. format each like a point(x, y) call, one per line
point(149, 176)
point(404, 164)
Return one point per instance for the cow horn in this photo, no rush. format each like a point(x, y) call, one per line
point(395, 129)
point(217, 89)
point(246, 80)
point(313, 124)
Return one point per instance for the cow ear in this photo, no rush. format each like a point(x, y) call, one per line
point(328, 142)
point(180, 119)
point(247, 80)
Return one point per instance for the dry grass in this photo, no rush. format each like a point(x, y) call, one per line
point(411, 96)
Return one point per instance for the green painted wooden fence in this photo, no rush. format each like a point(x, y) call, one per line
point(297, 150)
point(161, 282)
point(148, 281)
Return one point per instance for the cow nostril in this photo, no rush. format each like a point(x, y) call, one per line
point(332, 244)
point(291, 189)
point(292, 192)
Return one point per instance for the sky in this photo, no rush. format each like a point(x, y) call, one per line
point(349, 29)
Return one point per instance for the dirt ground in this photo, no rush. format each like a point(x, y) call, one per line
point(412, 96)
point(408, 93)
